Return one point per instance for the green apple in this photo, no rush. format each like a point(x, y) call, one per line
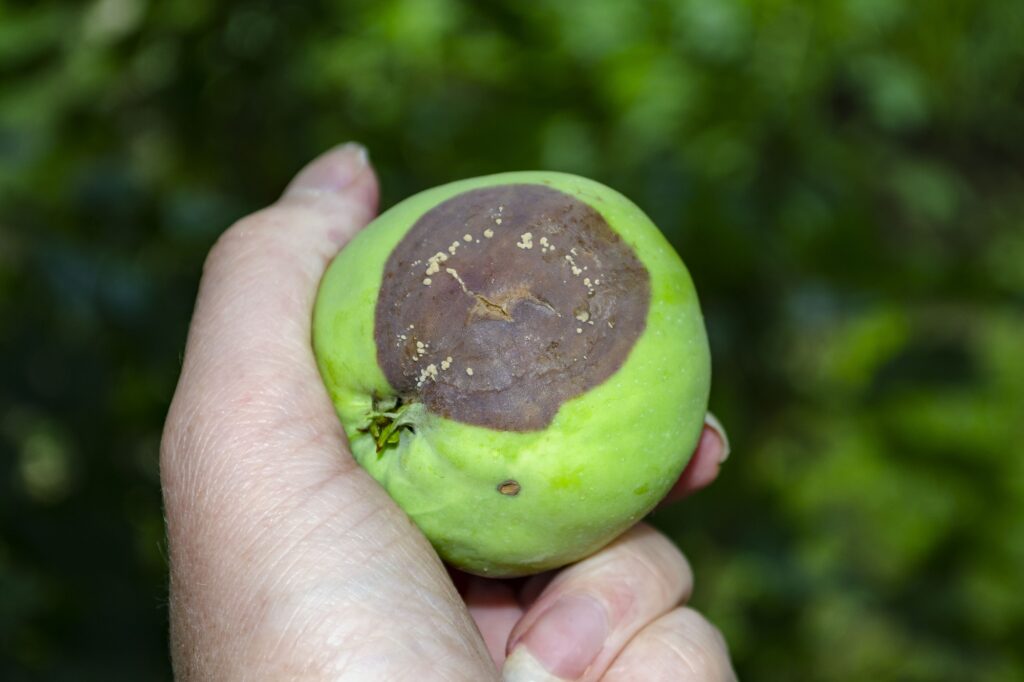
point(520, 360)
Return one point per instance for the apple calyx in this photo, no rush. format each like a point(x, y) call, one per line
point(387, 419)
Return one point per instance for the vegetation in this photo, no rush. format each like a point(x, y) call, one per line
point(844, 178)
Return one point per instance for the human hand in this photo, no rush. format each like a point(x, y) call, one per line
point(289, 562)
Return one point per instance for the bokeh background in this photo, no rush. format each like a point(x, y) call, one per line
point(844, 178)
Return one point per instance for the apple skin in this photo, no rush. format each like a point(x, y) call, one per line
point(605, 460)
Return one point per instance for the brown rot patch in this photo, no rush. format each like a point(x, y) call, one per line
point(509, 487)
point(502, 303)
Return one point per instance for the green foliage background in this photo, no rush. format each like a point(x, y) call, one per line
point(844, 178)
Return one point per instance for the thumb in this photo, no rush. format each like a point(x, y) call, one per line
point(249, 389)
point(284, 555)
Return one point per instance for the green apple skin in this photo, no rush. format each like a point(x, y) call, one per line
point(608, 457)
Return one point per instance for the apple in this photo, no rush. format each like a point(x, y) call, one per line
point(520, 360)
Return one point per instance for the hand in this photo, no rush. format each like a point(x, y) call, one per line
point(289, 562)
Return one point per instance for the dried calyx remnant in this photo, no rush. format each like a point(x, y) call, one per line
point(388, 418)
point(502, 303)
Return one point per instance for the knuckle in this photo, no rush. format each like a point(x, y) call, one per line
point(639, 577)
point(699, 644)
point(649, 556)
point(663, 574)
point(240, 238)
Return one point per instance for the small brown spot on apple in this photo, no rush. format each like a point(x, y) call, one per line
point(510, 488)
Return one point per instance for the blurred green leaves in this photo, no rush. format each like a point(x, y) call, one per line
point(843, 178)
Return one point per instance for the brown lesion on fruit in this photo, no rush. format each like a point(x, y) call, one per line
point(525, 328)
point(510, 487)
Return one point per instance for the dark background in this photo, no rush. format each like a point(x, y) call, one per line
point(845, 180)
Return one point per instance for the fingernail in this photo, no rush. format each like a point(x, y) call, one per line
point(712, 421)
point(332, 171)
point(562, 644)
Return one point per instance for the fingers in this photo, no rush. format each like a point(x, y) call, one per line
point(712, 451)
point(495, 610)
point(497, 605)
point(592, 609)
point(681, 646)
